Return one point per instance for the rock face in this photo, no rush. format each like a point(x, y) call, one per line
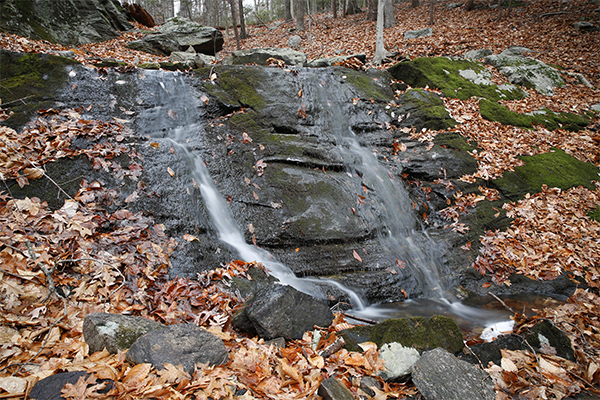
point(282, 311)
point(115, 332)
point(440, 375)
point(179, 34)
point(180, 344)
point(68, 22)
point(417, 332)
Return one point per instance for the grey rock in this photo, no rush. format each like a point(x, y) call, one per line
point(484, 77)
point(477, 54)
point(192, 60)
point(451, 6)
point(331, 61)
point(367, 383)
point(332, 389)
point(282, 311)
point(50, 388)
point(595, 107)
point(585, 26)
point(68, 22)
point(114, 331)
point(294, 42)
point(180, 344)
point(517, 51)
point(161, 44)
point(526, 71)
point(419, 33)
point(204, 39)
point(66, 53)
point(178, 35)
point(440, 375)
point(260, 56)
point(398, 360)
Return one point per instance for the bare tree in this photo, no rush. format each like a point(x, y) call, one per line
point(287, 5)
point(372, 6)
point(352, 7)
point(234, 22)
point(415, 3)
point(334, 8)
point(300, 12)
point(389, 16)
point(243, 34)
point(431, 12)
point(380, 51)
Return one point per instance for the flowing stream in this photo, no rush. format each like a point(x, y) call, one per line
point(399, 238)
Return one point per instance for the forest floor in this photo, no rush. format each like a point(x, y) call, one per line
point(95, 257)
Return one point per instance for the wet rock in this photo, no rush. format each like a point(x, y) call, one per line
point(332, 389)
point(482, 354)
point(282, 311)
point(180, 344)
point(161, 44)
point(526, 71)
point(87, 21)
point(440, 375)
point(260, 56)
point(416, 332)
point(418, 33)
point(398, 360)
point(115, 332)
point(550, 339)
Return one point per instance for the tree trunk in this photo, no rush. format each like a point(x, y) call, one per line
point(415, 3)
point(334, 8)
point(243, 34)
point(389, 16)
point(352, 8)
point(431, 12)
point(287, 5)
point(300, 12)
point(380, 51)
point(372, 10)
point(234, 22)
point(470, 5)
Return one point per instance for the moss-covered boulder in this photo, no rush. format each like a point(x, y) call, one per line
point(555, 169)
point(417, 332)
point(454, 77)
point(30, 82)
point(493, 111)
point(421, 109)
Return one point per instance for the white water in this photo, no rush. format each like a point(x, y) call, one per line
point(401, 227)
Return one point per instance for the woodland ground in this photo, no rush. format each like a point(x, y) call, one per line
point(118, 262)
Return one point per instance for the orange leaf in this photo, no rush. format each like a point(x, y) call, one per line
point(355, 254)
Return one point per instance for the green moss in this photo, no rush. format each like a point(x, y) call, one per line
point(418, 332)
point(371, 85)
point(426, 110)
point(110, 64)
point(444, 74)
point(237, 85)
point(496, 112)
point(149, 65)
point(555, 169)
point(595, 214)
point(29, 82)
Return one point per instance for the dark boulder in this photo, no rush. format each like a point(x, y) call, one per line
point(68, 22)
point(180, 344)
point(282, 311)
point(50, 388)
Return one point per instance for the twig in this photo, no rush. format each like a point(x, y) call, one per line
point(503, 303)
point(14, 101)
point(552, 14)
point(368, 321)
point(536, 358)
point(333, 347)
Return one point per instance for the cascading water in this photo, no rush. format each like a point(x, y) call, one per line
point(400, 234)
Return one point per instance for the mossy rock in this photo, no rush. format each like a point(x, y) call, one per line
point(371, 84)
point(555, 169)
point(238, 85)
point(454, 77)
point(149, 65)
point(595, 214)
point(423, 110)
point(417, 332)
point(493, 111)
point(30, 82)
